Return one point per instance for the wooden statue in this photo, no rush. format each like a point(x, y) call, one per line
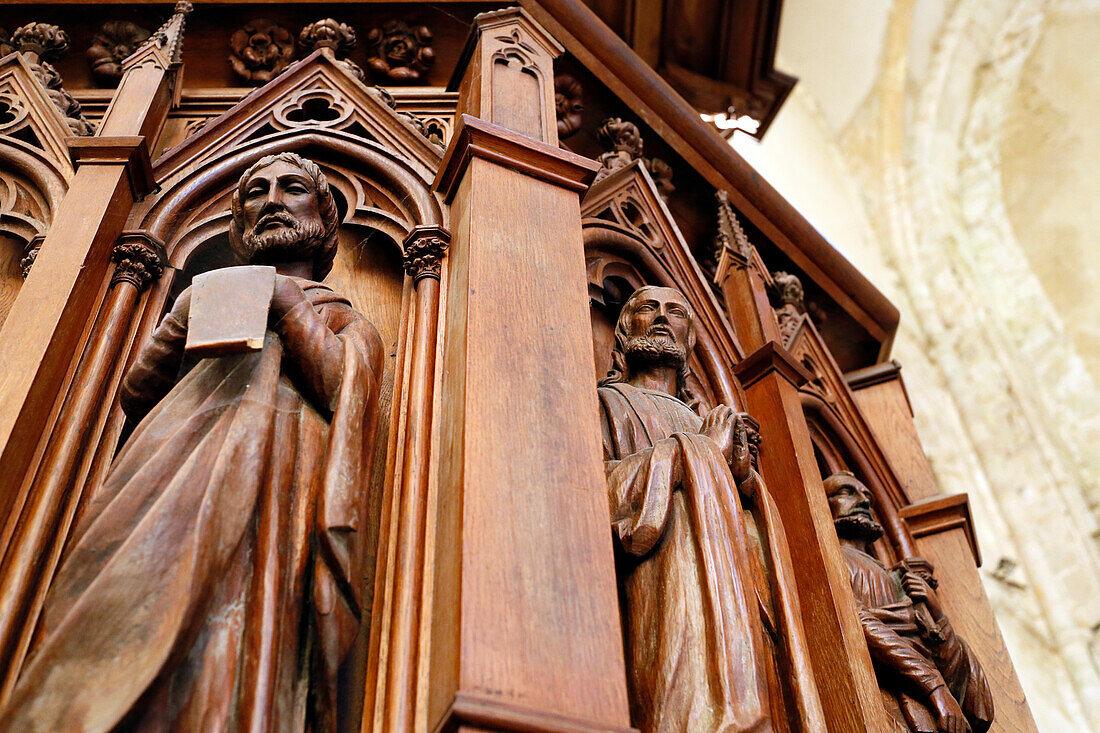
point(930, 679)
point(215, 584)
point(693, 585)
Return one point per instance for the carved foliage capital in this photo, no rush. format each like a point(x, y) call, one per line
point(424, 250)
point(139, 259)
point(328, 33)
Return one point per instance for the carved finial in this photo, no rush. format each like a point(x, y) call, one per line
point(327, 33)
point(111, 45)
point(260, 50)
point(731, 237)
point(139, 259)
point(399, 52)
point(624, 143)
point(568, 106)
point(43, 41)
point(424, 251)
point(338, 38)
point(169, 37)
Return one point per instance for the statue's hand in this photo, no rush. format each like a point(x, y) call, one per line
point(718, 425)
point(287, 295)
point(741, 458)
point(949, 716)
point(917, 588)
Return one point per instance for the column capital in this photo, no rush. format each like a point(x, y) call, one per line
point(139, 259)
point(476, 138)
point(424, 250)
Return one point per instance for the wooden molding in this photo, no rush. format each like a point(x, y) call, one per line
point(495, 19)
point(771, 357)
point(476, 138)
point(872, 375)
point(482, 712)
point(131, 151)
point(941, 514)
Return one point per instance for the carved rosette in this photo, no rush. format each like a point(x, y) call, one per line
point(424, 251)
point(115, 40)
point(139, 260)
point(567, 103)
point(399, 52)
point(260, 50)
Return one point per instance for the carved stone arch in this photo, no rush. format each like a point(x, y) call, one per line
point(832, 437)
point(615, 251)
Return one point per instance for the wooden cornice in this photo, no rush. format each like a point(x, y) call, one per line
point(940, 514)
point(131, 151)
point(771, 357)
point(642, 89)
point(476, 138)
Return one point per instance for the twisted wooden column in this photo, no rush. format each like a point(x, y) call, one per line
point(400, 580)
point(35, 533)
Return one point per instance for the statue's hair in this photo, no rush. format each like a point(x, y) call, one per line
point(322, 261)
point(620, 371)
point(840, 478)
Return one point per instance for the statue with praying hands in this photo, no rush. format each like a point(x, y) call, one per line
point(216, 581)
point(709, 610)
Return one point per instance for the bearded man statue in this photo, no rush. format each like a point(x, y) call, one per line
point(931, 681)
point(708, 604)
point(216, 583)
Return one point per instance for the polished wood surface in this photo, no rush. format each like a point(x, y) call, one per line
point(482, 591)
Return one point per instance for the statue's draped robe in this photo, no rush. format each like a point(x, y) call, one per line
point(215, 585)
point(912, 652)
point(696, 654)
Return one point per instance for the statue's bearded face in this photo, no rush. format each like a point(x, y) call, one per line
point(850, 502)
point(659, 328)
point(282, 215)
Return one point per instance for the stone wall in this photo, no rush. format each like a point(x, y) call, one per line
point(960, 175)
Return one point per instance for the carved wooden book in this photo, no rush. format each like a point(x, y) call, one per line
point(213, 327)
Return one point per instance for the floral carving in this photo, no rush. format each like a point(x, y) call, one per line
point(139, 260)
point(260, 50)
point(791, 303)
point(424, 257)
point(399, 52)
point(567, 101)
point(115, 40)
point(33, 248)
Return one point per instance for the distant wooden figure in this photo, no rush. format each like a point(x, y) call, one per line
point(216, 582)
point(692, 580)
point(930, 679)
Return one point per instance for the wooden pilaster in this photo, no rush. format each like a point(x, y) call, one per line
point(770, 377)
point(526, 633)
